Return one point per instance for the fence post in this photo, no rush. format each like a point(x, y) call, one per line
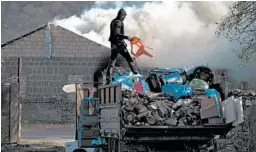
point(11, 113)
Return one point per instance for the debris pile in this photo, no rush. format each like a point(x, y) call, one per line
point(242, 138)
point(144, 109)
point(248, 96)
point(168, 97)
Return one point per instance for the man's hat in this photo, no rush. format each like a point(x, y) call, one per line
point(121, 11)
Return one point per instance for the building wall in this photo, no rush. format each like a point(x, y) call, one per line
point(74, 60)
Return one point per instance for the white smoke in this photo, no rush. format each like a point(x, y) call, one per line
point(181, 33)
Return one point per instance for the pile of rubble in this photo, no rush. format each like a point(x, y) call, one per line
point(143, 109)
point(248, 96)
point(40, 147)
point(242, 138)
point(169, 97)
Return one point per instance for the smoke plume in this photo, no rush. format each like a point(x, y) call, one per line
point(181, 33)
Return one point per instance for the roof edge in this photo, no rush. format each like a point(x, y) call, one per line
point(78, 34)
point(25, 35)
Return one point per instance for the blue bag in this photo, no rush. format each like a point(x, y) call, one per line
point(177, 90)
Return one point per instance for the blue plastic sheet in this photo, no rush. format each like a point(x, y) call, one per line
point(167, 70)
point(126, 79)
point(177, 90)
point(172, 78)
point(145, 86)
point(98, 141)
point(216, 95)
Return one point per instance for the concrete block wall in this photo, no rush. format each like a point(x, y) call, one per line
point(47, 76)
point(9, 69)
point(53, 111)
point(64, 44)
point(74, 59)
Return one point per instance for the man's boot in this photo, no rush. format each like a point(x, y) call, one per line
point(108, 80)
point(131, 64)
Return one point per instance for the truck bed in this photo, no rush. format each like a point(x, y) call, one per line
point(175, 133)
point(111, 123)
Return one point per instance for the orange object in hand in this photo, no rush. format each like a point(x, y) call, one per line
point(137, 41)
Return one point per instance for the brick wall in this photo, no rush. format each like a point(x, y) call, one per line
point(74, 59)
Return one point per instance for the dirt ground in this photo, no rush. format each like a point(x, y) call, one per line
point(31, 148)
point(31, 143)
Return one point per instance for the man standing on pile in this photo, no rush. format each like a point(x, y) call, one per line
point(118, 45)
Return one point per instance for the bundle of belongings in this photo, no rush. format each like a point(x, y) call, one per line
point(169, 97)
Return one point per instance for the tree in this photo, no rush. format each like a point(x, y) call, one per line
point(240, 25)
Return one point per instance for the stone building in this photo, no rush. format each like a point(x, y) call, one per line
point(44, 60)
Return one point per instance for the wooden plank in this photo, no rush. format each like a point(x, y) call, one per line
point(5, 129)
point(107, 95)
point(118, 94)
point(79, 95)
point(5, 100)
point(112, 95)
point(5, 108)
point(102, 97)
point(11, 112)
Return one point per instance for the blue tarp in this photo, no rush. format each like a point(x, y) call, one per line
point(145, 86)
point(177, 90)
point(216, 95)
point(167, 70)
point(126, 79)
point(98, 141)
point(172, 78)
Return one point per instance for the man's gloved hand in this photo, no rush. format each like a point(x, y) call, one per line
point(130, 38)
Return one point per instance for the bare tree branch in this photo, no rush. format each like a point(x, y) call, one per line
point(240, 25)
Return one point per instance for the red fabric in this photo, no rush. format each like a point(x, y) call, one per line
point(138, 86)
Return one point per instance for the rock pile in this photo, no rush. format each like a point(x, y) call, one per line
point(160, 109)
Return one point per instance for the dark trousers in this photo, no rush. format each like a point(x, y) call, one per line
point(115, 50)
